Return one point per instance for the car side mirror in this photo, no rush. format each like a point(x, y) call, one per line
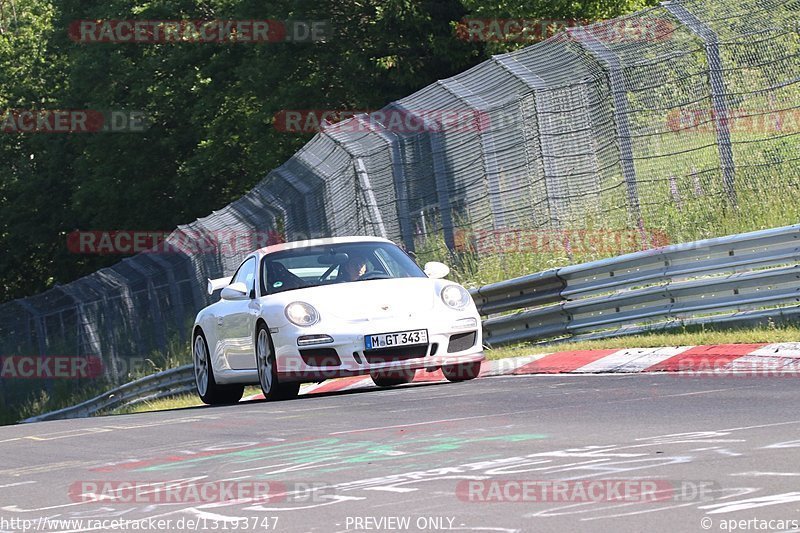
point(235, 291)
point(436, 270)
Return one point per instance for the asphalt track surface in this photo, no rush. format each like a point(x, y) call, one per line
point(704, 453)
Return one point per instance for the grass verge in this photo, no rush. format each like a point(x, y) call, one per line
point(694, 336)
point(165, 404)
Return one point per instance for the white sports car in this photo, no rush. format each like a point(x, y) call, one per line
point(312, 310)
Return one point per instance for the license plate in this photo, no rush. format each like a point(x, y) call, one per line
point(401, 338)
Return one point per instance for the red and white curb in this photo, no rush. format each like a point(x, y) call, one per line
point(769, 360)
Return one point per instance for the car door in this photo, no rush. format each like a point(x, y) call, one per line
point(238, 320)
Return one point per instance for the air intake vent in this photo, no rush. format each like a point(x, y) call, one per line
point(461, 341)
point(320, 357)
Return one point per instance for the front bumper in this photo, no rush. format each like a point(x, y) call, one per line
point(346, 355)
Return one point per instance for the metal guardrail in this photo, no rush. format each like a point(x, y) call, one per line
point(743, 279)
point(527, 291)
point(168, 383)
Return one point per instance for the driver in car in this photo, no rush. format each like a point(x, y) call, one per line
point(354, 268)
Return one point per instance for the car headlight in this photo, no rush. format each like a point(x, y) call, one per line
point(301, 314)
point(455, 296)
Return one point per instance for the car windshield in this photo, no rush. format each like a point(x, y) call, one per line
point(301, 268)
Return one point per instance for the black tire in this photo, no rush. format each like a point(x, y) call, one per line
point(268, 370)
point(207, 388)
point(462, 372)
point(391, 378)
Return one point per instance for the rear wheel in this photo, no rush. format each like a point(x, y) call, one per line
point(207, 388)
point(462, 372)
point(390, 378)
point(267, 369)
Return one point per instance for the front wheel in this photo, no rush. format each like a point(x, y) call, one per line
point(390, 378)
point(267, 369)
point(207, 388)
point(462, 372)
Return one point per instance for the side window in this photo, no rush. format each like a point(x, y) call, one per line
point(246, 274)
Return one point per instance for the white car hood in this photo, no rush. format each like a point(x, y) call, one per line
point(370, 300)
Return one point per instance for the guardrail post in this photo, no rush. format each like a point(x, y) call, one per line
point(718, 92)
point(606, 57)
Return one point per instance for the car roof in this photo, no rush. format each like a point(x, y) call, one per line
point(319, 242)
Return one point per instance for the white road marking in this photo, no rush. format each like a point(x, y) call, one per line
point(765, 474)
point(753, 503)
point(16, 484)
point(260, 468)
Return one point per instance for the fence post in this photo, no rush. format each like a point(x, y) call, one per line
point(155, 307)
point(305, 193)
point(272, 202)
point(366, 188)
point(398, 177)
point(174, 291)
point(538, 86)
point(439, 175)
point(718, 92)
point(84, 331)
point(37, 318)
point(489, 155)
point(41, 335)
point(615, 77)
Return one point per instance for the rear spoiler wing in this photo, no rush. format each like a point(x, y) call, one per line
point(217, 284)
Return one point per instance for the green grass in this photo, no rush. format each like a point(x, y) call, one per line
point(685, 337)
point(165, 404)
